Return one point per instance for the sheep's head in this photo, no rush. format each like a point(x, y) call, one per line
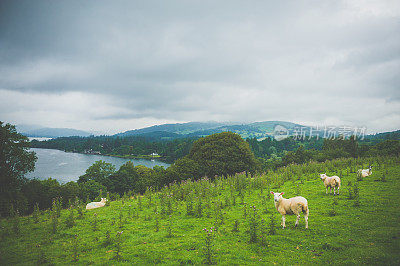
point(323, 176)
point(277, 195)
point(103, 199)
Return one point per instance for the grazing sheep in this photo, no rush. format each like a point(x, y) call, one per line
point(291, 206)
point(331, 182)
point(364, 172)
point(94, 205)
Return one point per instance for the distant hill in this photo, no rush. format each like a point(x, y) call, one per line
point(179, 128)
point(51, 132)
point(394, 135)
point(257, 130)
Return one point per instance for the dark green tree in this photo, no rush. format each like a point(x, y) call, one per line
point(91, 189)
point(145, 178)
point(42, 192)
point(98, 172)
point(15, 161)
point(223, 154)
point(124, 179)
point(299, 156)
point(159, 175)
point(388, 147)
point(352, 146)
point(186, 168)
point(69, 192)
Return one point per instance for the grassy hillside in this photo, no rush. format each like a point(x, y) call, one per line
point(167, 227)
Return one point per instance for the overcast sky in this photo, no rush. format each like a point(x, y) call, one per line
point(112, 66)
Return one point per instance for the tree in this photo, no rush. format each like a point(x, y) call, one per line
point(69, 192)
point(145, 178)
point(15, 161)
point(159, 176)
point(352, 146)
point(124, 179)
point(99, 172)
point(223, 154)
point(186, 168)
point(91, 189)
point(42, 192)
point(388, 147)
point(299, 156)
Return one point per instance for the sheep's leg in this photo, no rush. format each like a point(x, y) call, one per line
point(334, 192)
point(297, 220)
point(326, 190)
point(283, 221)
point(338, 190)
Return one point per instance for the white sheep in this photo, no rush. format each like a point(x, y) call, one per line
point(291, 206)
point(331, 182)
point(364, 172)
point(94, 205)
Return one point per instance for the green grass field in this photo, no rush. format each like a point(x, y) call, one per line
point(338, 233)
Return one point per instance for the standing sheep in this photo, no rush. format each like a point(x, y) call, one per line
point(291, 206)
point(331, 182)
point(94, 205)
point(364, 172)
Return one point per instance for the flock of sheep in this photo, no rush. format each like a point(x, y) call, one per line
point(292, 206)
point(297, 205)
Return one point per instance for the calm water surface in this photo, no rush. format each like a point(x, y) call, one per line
point(68, 166)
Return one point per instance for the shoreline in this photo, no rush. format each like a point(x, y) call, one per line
point(133, 157)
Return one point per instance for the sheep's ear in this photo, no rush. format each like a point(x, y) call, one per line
point(271, 192)
point(281, 193)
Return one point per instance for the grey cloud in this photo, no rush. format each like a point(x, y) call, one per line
point(206, 60)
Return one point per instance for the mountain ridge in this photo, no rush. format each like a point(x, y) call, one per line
point(257, 130)
point(48, 132)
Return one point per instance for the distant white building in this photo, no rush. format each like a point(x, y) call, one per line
point(154, 154)
point(90, 151)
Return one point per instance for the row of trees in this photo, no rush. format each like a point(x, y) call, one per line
point(270, 147)
point(170, 150)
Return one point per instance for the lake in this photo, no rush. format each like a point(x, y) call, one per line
point(68, 166)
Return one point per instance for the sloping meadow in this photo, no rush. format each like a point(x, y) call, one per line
point(224, 221)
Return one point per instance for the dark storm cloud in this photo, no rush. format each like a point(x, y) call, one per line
point(133, 63)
